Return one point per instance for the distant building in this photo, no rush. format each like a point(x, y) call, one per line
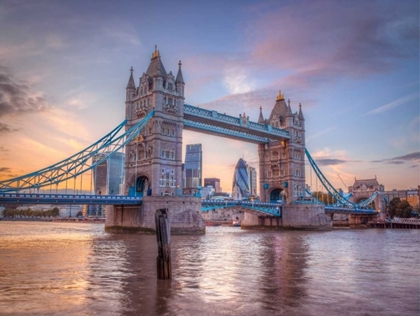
point(241, 186)
point(410, 195)
point(109, 174)
point(193, 167)
point(244, 184)
point(207, 192)
point(214, 182)
point(363, 189)
point(252, 175)
point(221, 196)
point(108, 177)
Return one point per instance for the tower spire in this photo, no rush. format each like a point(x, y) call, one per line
point(131, 84)
point(300, 112)
point(179, 77)
point(261, 117)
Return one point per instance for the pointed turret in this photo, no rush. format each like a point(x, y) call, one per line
point(130, 91)
point(261, 117)
point(179, 77)
point(280, 108)
point(288, 110)
point(156, 67)
point(131, 85)
point(300, 113)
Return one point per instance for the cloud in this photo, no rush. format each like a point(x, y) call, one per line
point(330, 39)
point(393, 104)
point(332, 161)
point(411, 157)
point(4, 128)
point(17, 98)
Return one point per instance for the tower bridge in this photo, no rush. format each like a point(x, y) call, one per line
point(156, 116)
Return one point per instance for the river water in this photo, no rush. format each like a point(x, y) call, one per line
point(78, 269)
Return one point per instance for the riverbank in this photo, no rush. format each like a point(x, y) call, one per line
point(71, 220)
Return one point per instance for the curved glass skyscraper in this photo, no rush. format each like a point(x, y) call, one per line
point(241, 185)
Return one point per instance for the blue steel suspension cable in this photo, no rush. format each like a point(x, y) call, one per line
point(78, 163)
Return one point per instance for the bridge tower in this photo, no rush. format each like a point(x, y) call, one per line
point(153, 160)
point(153, 165)
point(282, 162)
point(362, 189)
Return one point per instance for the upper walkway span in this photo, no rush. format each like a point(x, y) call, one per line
point(239, 128)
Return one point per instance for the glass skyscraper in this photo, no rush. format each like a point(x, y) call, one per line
point(244, 184)
point(193, 167)
point(109, 174)
point(240, 185)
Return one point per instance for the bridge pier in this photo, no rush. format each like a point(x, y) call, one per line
point(361, 220)
point(305, 217)
point(184, 214)
point(253, 220)
point(294, 216)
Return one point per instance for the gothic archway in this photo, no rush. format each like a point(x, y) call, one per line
point(143, 186)
point(276, 195)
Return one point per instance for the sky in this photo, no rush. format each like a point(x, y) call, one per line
point(353, 65)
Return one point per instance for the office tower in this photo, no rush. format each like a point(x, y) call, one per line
point(109, 174)
point(252, 174)
point(214, 182)
point(193, 168)
point(240, 186)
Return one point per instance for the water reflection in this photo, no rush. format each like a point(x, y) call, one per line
point(77, 269)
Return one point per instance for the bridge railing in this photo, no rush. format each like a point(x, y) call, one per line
point(261, 207)
point(66, 196)
point(415, 221)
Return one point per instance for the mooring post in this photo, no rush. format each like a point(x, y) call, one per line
point(163, 234)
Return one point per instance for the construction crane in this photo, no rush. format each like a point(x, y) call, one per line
point(345, 185)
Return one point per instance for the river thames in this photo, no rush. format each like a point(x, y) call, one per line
point(49, 268)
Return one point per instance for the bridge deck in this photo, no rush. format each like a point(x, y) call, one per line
point(272, 209)
point(31, 198)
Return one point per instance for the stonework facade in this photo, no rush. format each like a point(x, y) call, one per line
point(153, 165)
point(282, 162)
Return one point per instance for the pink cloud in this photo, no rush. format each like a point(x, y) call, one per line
point(335, 38)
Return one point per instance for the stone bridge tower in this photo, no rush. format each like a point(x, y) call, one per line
point(282, 163)
point(364, 188)
point(153, 163)
point(153, 160)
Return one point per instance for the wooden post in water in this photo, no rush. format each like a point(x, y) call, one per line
point(163, 234)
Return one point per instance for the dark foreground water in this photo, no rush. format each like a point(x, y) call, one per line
point(78, 269)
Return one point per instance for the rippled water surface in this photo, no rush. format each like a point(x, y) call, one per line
point(78, 269)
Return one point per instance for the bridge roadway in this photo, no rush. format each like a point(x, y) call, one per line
point(271, 209)
point(34, 198)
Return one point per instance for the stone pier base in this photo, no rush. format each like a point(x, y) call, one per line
point(305, 217)
point(361, 220)
point(254, 220)
point(184, 216)
point(294, 216)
